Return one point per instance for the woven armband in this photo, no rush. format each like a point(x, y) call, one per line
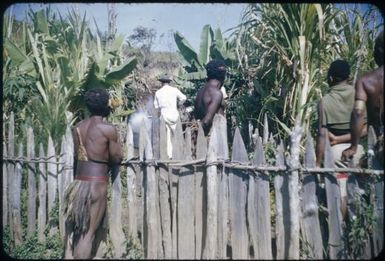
point(359, 105)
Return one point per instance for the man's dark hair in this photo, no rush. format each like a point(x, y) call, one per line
point(339, 70)
point(97, 101)
point(216, 69)
point(379, 49)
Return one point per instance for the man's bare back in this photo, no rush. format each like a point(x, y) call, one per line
point(100, 140)
point(209, 102)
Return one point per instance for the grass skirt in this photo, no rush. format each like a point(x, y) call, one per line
point(77, 205)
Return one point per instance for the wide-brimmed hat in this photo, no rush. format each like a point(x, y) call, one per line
point(165, 78)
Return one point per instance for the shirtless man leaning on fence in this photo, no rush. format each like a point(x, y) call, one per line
point(370, 96)
point(209, 100)
point(97, 150)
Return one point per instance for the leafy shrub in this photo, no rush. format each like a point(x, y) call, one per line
point(32, 248)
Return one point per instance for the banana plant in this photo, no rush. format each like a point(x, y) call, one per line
point(64, 59)
point(212, 45)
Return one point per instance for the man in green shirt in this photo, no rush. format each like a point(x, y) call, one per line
point(334, 111)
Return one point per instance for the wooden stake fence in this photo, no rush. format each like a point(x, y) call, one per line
point(207, 206)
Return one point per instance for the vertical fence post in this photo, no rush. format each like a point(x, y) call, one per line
point(177, 154)
point(115, 224)
point(151, 201)
point(141, 181)
point(333, 198)
point(69, 150)
point(42, 211)
point(60, 182)
point(377, 198)
point(31, 183)
point(282, 218)
point(223, 193)
point(164, 193)
point(238, 195)
point(311, 231)
point(155, 136)
point(68, 158)
point(11, 171)
point(294, 188)
point(200, 207)
point(259, 208)
point(209, 248)
point(52, 183)
point(5, 187)
point(16, 204)
point(186, 244)
point(131, 187)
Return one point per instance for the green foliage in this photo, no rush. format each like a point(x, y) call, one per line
point(132, 249)
point(53, 214)
point(282, 53)
point(51, 248)
point(32, 248)
point(54, 247)
point(47, 67)
point(6, 239)
point(360, 227)
point(121, 72)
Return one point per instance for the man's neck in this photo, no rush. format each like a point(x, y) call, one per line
point(97, 117)
point(215, 82)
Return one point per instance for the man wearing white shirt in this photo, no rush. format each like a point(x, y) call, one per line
point(166, 100)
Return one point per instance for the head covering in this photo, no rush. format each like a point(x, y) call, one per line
point(165, 78)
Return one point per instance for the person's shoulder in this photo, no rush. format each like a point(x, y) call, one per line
point(373, 74)
point(173, 88)
point(79, 124)
point(106, 128)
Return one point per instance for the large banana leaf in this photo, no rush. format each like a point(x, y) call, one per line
point(122, 71)
point(204, 47)
point(28, 68)
point(186, 50)
point(91, 80)
point(218, 40)
point(103, 62)
point(15, 54)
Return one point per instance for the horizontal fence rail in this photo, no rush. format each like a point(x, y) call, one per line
point(207, 201)
point(227, 164)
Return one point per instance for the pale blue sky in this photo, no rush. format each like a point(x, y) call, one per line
point(188, 19)
point(165, 18)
